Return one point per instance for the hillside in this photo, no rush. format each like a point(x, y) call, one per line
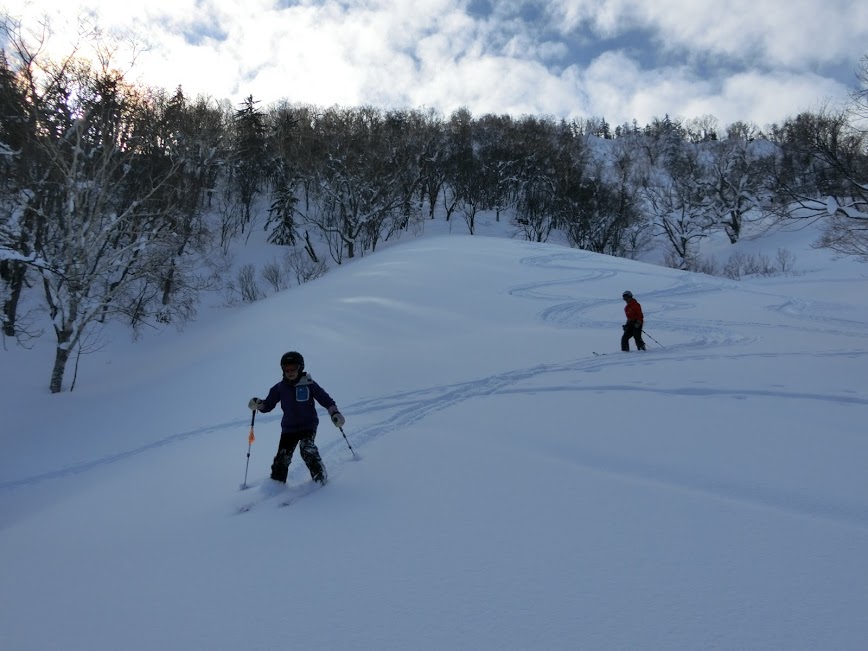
point(514, 491)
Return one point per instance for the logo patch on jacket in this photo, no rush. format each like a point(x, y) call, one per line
point(302, 394)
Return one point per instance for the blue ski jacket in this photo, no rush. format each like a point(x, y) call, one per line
point(297, 401)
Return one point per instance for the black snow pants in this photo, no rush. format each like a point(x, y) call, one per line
point(634, 330)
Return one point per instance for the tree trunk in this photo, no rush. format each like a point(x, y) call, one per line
point(15, 279)
point(60, 358)
point(733, 226)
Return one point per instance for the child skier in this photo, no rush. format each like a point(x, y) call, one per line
point(296, 393)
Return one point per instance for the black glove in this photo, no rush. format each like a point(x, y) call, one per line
point(624, 327)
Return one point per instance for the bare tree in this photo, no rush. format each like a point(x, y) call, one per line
point(600, 220)
point(18, 227)
point(14, 238)
point(494, 137)
point(432, 154)
point(275, 275)
point(701, 129)
point(676, 200)
point(738, 174)
point(100, 202)
point(360, 181)
point(847, 230)
point(248, 288)
point(822, 175)
point(537, 178)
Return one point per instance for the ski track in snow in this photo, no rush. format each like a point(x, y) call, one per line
point(283, 495)
point(401, 410)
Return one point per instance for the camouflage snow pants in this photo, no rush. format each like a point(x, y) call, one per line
point(309, 454)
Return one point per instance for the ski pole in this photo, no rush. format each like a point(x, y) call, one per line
point(347, 440)
point(653, 339)
point(250, 439)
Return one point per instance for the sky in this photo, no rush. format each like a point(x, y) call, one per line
point(757, 61)
point(518, 481)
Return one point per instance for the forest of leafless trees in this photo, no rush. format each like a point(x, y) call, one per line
point(116, 200)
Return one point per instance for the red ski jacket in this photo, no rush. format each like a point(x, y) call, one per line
point(633, 310)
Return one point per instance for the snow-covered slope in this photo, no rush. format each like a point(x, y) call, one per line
point(515, 490)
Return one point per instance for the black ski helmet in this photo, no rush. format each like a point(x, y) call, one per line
point(627, 294)
point(292, 357)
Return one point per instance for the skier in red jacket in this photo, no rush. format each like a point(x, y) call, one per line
point(633, 327)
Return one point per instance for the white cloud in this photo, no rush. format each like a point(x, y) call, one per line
point(621, 91)
point(765, 93)
point(756, 61)
point(790, 33)
point(491, 85)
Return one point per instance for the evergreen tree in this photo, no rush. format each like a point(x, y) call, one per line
point(247, 158)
